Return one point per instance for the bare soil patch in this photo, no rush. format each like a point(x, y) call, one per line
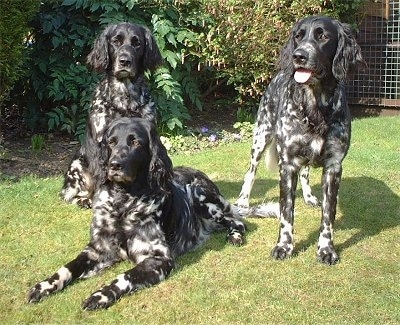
point(17, 158)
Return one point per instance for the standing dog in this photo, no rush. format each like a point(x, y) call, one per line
point(144, 211)
point(123, 52)
point(304, 116)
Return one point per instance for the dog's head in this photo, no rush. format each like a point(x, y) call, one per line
point(125, 50)
point(320, 47)
point(132, 155)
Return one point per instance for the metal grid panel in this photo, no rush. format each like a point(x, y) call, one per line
point(379, 39)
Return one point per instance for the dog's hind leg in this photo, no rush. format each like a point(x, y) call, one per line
point(263, 135)
point(233, 223)
point(260, 142)
point(78, 183)
point(308, 197)
point(214, 212)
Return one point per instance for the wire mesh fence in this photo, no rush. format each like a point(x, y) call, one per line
point(379, 39)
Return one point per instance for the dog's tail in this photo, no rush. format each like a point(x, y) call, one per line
point(271, 157)
point(267, 210)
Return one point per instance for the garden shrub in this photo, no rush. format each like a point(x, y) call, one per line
point(14, 34)
point(62, 84)
point(245, 37)
point(204, 43)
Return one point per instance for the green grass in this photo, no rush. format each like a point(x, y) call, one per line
point(218, 283)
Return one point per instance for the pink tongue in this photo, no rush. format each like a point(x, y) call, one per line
point(301, 76)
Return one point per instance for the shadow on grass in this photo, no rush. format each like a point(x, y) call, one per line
point(261, 186)
point(368, 205)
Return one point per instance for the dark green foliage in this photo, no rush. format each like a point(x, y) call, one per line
point(62, 84)
point(245, 37)
point(14, 34)
point(204, 43)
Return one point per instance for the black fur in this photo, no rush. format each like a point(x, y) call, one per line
point(144, 211)
point(123, 52)
point(304, 117)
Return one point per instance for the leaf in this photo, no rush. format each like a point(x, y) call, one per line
point(42, 66)
point(51, 124)
point(94, 6)
point(171, 57)
point(47, 26)
point(56, 41)
point(171, 39)
point(68, 2)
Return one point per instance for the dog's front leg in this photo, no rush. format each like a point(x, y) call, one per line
point(330, 188)
point(147, 248)
point(287, 184)
point(84, 265)
point(150, 271)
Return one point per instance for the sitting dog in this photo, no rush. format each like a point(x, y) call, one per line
point(304, 117)
point(123, 52)
point(144, 211)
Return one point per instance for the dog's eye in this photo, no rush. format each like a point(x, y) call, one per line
point(323, 37)
point(135, 143)
point(116, 41)
point(135, 41)
point(298, 37)
point(112, 141)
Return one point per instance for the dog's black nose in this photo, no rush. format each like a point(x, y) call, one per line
point(125, 62)
point(115, 165)
point(300, 56)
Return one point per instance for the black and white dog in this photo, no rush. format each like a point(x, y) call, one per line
point(304, 118)
point(144, 211)
point(123, 52)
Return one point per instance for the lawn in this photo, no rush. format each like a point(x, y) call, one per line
point(218, 283)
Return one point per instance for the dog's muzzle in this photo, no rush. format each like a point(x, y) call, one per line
point(125, 67)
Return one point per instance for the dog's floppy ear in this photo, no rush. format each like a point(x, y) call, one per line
point(98, 58)
point(286, 57)
point(96, 154)
point(348, 54)
point(152, 56)
point(160, 168)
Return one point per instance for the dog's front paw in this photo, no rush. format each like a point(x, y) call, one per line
point(235, 238)
point(98, 300)
point(84, 203)
point(281, 252)
point(312, 200)
point(38, 292)
point(327, 255)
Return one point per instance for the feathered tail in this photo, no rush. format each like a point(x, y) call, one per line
point(268, 210)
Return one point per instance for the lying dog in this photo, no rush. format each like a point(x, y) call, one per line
point(304, 116)
point(144, 211)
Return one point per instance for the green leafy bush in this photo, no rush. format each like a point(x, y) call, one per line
point(63, 35)
point(193, 140)
point(37, 142)
point(14, 34)
point(205, 44)
point(244, 37)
